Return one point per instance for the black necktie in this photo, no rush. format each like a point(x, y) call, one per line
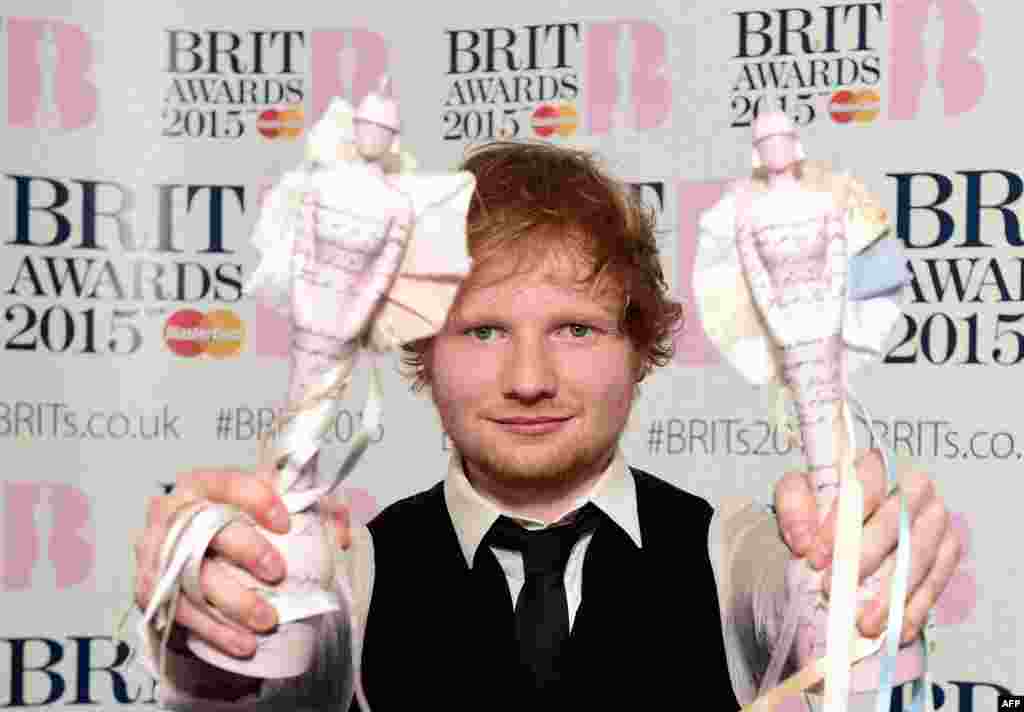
point(541, 612)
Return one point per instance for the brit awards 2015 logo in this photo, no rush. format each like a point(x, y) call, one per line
point(49, 86)
point(91, 270)
point(50, 522)
point(827, 61)
point(222, 81)
point(272, 83)
point(553, 80)
point(960, 229)
point(800, 60)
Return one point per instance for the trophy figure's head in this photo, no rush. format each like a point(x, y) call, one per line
point(776, 144)
point(377, 122)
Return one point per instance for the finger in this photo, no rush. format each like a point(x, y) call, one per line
point(251, 492)
point(870, 472)
point(144, 582)
point(796, 511)
point(930, 527)
point(931, 539)
point(925, 595)
point(870, 469)
point(820, 554)
point(881, 532)
point(246, 547)
point(142, 546)
point(224, 589)
point(229, 639)
point(246, 490)
point(145, 568)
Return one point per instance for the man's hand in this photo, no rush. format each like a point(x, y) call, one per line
point(239, 543)
point(934, 553)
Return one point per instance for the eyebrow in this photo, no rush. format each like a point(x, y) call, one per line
point(584, 302)
point(486, 313)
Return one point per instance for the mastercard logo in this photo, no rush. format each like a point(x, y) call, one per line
point(551, 119)
point(190, 333)
point(280, 123)
point(860, 107)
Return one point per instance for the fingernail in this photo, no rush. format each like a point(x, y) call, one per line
point(866, 613)
point(279, 517)
point(262, 618)
point(243, 645)
point(270, 567)
point(822, 556)
point(877, 615)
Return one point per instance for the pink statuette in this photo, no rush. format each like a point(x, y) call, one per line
point(772, 278)
point(361, 255)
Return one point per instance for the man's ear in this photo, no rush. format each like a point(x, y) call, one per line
point(641, 368)
point(639, 364)
point(425, 374)
point(415, 365)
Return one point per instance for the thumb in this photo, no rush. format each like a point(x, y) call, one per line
point(797, 512)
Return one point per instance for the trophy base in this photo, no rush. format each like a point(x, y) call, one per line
point(287, 652)
point(298, 601)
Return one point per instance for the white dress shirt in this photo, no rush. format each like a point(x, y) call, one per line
point(472, 514)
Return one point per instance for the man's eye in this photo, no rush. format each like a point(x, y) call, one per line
point(483, 333)
point(579, 331)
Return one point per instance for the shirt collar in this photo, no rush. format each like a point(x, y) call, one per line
point(472, 513)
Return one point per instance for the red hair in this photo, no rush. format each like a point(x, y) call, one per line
point(533, 199)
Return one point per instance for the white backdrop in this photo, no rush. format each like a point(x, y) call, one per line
point(133, 160)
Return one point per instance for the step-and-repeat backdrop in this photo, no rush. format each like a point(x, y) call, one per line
point(138, 140)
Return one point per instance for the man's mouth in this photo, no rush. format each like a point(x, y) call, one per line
point(533, 425)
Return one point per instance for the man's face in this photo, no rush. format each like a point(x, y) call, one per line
point(532, 379)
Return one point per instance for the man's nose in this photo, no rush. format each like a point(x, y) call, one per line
point(529, 372)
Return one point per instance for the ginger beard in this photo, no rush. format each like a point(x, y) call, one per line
point(532, 341)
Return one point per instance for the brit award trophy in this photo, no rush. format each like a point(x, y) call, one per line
point(798, 281)
point(362, 255)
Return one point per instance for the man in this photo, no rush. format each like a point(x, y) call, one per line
point(534, 375)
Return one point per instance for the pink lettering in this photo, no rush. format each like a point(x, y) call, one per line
point(348, 69)
point(69, 548)
point(693, 348)
point(47, 82)
point(71, 552)
point(21, 541)
point(622, 52)
point(959, 74)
